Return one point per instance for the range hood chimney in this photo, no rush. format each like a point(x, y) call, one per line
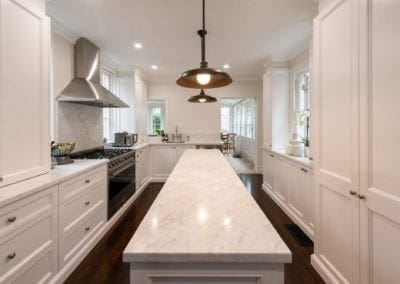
point(85, 88)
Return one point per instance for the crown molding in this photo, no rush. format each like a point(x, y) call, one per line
point(62, 31)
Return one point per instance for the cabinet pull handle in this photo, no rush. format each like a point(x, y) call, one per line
point(87, 203)
point(87, 181)
point(1, 179)
point(271, 155)
point(87, 229)
point(304, 170)
point(362, 197)
point(11, 219)
point(352, 192)
point(11, 255)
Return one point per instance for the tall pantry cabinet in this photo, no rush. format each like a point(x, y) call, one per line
point(356, 90)
point(24, 90)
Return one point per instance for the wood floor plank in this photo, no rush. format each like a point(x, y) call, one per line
point(104, 263)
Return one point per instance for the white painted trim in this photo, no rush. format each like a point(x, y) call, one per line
point(62, 31)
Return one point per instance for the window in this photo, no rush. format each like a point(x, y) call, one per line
point(244, 118)
point(302, 103)
point(225, 118)
point(111, 116)
point(156, 116)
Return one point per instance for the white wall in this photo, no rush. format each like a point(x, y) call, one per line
point(203, 119)
point(323, 3)
point(73, 122)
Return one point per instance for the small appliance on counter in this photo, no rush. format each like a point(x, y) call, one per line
point(124, 139)
point(61, 152)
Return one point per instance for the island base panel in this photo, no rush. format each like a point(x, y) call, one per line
point(210, 273)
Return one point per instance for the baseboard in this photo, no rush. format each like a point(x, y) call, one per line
point(307, 230)
point(63, 274)
point(323, 271)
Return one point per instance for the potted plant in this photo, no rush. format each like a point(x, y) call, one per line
point(303, 118)
point(164, 136)
point(306, 142)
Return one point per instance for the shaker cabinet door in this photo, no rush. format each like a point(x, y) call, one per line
point(24, 91)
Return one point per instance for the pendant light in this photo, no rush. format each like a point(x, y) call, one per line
point(203, 77)
point(202, 98)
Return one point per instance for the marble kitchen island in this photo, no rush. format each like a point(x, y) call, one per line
point(204, 227)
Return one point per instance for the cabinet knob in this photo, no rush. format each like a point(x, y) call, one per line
point(1, 179)
point(304, 170)
point(362, 197)
point(11, 255)
point(87, 203)
point(11, 219)
point(352, 192)
point(87, 229)
point(87, 181)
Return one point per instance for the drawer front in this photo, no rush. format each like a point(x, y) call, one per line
point(22, 212)
point(72, 242)
point(41, 272)
point(23, 248)
point(84, 182)
point(75, 210)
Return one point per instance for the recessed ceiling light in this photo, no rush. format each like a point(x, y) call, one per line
point(226, 66)
point(155, 67)
point(138, 45)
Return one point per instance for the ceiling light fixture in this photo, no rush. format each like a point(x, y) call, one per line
point(138, 45)
point(226, 66)
point(203, 77)
point(202, 98)
point(155, 67)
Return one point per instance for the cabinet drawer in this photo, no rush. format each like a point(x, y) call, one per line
point(77, 209)
point(24, 248)
point(73, 241)
point(76, 186)
point(22, 212)
point(41, 272)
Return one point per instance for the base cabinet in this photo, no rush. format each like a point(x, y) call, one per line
point(164, 159)
point(290, 185)
point(142, 166)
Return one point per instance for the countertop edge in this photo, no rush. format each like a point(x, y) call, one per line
point(297, 160)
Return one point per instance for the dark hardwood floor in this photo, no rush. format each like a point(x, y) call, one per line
point(104, 263)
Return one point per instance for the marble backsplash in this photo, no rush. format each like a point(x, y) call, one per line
point(80, 124)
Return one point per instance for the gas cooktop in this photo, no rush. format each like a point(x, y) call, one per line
point(100, 153)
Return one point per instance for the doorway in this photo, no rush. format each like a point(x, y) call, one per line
point(238, 131)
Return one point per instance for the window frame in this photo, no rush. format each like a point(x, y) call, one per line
point(163, 122)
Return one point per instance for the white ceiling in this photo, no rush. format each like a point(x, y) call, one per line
point(242, 33)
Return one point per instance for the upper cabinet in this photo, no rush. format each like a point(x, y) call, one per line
point(140, 105)
point(24, 90)
point(276, 107)
point(355, 112)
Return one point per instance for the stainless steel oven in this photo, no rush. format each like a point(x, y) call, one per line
point(121, 182)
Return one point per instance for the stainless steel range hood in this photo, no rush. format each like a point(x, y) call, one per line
point(85, 88)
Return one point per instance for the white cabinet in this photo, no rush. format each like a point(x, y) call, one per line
point(164, 159)
point(28, 238)
point(356, 67)
point(276, 107)
point(380, 140)
point(24, 90)
point(290, 185)
point(142, 166)
point(140, 105)
point(82, 212)
point(336, 142)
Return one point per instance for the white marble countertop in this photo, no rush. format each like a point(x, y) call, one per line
point(302, 161)
point(205, 214)
point(190, 143)
point(57, 175)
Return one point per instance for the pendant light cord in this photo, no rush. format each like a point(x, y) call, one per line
point(202, 34)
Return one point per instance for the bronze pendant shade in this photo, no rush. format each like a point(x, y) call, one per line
point(204, 77)
point(202, 98)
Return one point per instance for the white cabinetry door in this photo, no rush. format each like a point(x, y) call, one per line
point(24, 91)
point(142, 166)
point(163, 161)
point(335, 115)
point(297, 178)
point(380, 121)
point(280, 187)
point(140, 105)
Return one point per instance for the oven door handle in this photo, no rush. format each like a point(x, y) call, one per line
point(111, 175)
